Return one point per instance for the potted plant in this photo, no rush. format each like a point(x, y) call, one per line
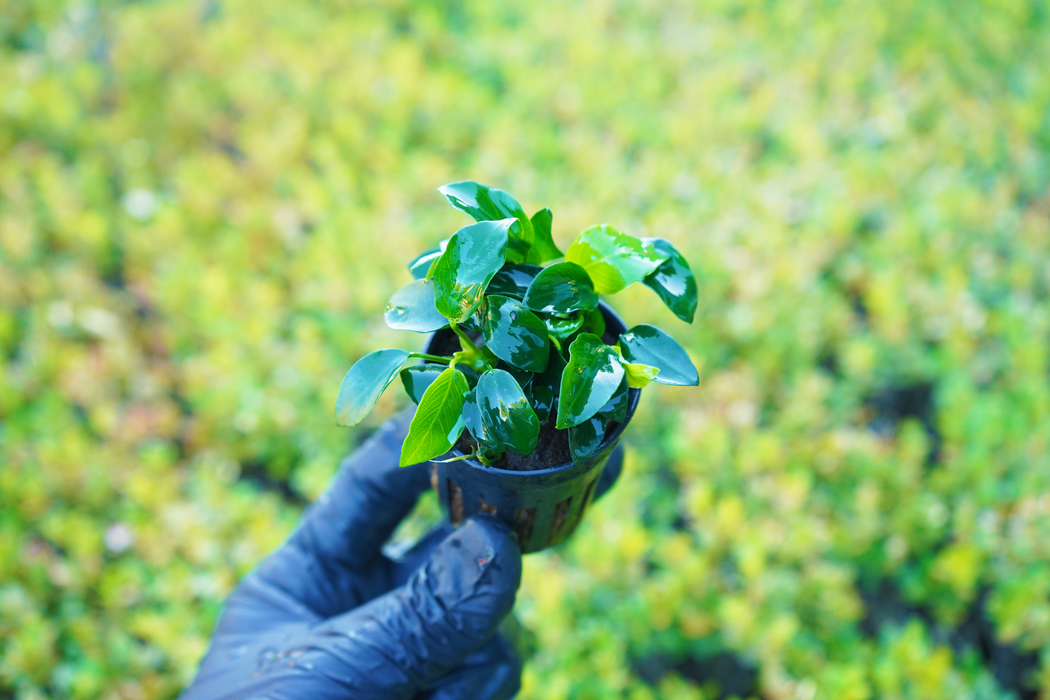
point(528, 379)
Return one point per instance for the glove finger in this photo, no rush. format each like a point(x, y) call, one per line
point(398, 643)
point(405, 565)
point(370, 495)
point(331, 563)
point(610, 473)
point(493, 672)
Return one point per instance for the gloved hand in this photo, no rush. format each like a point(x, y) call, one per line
point(329, 616)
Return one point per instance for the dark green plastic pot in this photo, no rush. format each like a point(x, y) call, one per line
point(544, 506)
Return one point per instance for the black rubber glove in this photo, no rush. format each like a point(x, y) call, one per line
point(329, 616)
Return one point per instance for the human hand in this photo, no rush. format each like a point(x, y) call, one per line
point(329, 616)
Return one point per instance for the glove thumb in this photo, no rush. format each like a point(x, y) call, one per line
point(396, 644)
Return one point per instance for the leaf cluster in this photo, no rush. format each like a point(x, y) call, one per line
point(533, 341)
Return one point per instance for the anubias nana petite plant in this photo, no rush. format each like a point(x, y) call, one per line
point(531, 345)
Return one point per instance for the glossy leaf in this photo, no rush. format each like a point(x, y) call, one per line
point(420, 267)
point(522, 377)
point(586, 438)
point(470, 374)
point(590, 379)
point(649, 345)
point(476, 321)
point(506, 415)
point(473, 423)
point(516, 335)
point(612, 259)
point(513, 280)
point(673, 281)
point(562, 288)
point(473, 256)
point(616, 408)
point(561, 328)
point(438, 422)
point(543, 247)
point(412, 309)
point(639, 375)
point(543, 388)
point(417, 379)
point(365, 383)
point(594, 322)
point(486, 203)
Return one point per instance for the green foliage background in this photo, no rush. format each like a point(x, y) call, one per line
point(204, 207)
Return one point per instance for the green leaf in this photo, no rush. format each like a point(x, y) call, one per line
point(638, 375)
point(594, 322)
point(412, 309)
point(562, 288)
point(590, 379)
point(420, 267)
point(516, 335)
point(365, 383)
point(612, 259)
point(544, 386)
point(476, 321)
point(673, 281)
point(616, 408)
point(416, 379)
point(513, 280)
point(506, 415)
point(470, 374)
point(649, 345)
point(473, 423)
point(438, 422)
point(473, 256)
point(586, 438)
point(543, 247)
point(522, 377)
point(486, 203)
point(561, 328)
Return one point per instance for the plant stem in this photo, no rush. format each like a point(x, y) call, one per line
point(453, 459)
point(464, 339)
point(429, 358)
point(471, 355)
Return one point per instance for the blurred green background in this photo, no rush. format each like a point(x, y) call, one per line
point(204, 206)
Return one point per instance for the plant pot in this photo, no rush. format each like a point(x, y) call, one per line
point(544, 506)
